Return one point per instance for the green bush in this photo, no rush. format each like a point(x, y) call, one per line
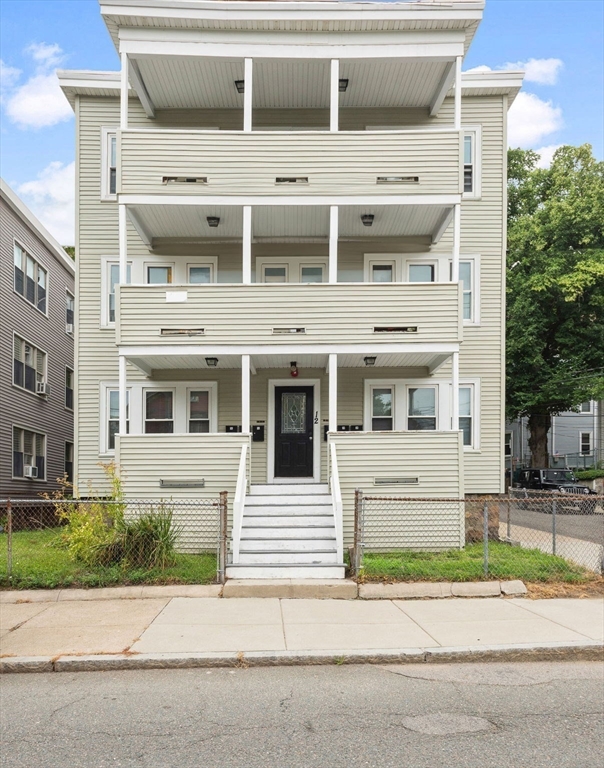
point(589, 474)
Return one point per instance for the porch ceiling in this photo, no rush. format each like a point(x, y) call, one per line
point(189, 82)
point(306, 222)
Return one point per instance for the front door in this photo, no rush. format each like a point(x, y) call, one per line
point(293, 431)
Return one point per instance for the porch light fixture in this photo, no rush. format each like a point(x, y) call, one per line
point(213, 221)
point(369, 360)
point(343, 84)
point(211, 362)
point(240, 85)
point(293, 369)
point(367, 219)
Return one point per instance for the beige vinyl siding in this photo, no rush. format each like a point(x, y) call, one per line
point(237, 314)
point(435, 458)
point(335, 163)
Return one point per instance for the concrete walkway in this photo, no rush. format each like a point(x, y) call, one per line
point(193, 631)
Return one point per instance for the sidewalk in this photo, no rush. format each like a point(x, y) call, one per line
point(204, 631)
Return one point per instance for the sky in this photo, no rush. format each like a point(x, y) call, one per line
point(558, 42)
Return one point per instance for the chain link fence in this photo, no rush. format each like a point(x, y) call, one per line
point(52, 542)
point(536, 537)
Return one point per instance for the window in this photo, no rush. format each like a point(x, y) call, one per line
point(508, 444)
point(29, 364)
point(311, 274)
point(113, 279)
point(382, 412)
point(382, 273)
point(159, 417)
point(159, 275)
point(199, 410)
point(586, 407)
point(30, 278)
point(465, 276)
point(113, 417)
point(109, 164)
point(421, 273)
point(465, 414)
point(69, 312)
point(585, 442)
point(69, 462)
point(471, 162)
point(275, 274)
point(422, 408)
point(200, 275)
point(29, 451)
point(69, 388)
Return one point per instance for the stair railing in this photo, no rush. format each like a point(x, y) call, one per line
point(239, 502)
point(336, 495)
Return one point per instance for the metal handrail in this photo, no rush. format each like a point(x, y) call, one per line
point(336, 495)
point(239, 502)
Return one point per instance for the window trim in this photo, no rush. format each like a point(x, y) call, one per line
point(39, 349)
point(421, 263)
point(401, 388)
point(590, 410)
point(388, 260)
point(436, 417)
point(476, 131)
point(21, 477)
point(212, 263)
point(39, 265)
point(161, 265)
point(68, 293)
point(106, 263)
point(68, 368)
point(393, 407)
point(591, 441)
point(106, 133)
point(293, 268)
point(106, 388)
point(211, 403)
point(474, 260)
point(155, 390)
point(474, 385)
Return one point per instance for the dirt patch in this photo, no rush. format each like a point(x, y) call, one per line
point(593, 588)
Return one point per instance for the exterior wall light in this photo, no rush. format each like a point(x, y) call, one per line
point(369, 360)
point(367, 219)
point(343, 84)
point(211, 362)
point(240, 85)
point(213, 221)
point(293, 369)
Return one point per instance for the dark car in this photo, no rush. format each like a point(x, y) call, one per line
point(561, 481)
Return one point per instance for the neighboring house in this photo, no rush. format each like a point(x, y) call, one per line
point(291, 238)
point(36, 354)
point(574, 440)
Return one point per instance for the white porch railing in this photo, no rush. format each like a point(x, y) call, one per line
point(336, 495)
point(239, 502)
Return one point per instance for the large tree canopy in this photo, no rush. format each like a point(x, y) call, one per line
point(555, 287)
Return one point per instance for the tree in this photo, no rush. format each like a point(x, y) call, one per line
point(69, 250)
point(555, 288)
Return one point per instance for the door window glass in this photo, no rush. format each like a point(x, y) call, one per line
point(311, 275)
point(158, 412)
point(159, 275)
point(293, 413)
point(422, 408)
point(275, 274)
point(199, 275)
point(199, 415)
point(382, 273)
point(421, 273)
point(381, 414)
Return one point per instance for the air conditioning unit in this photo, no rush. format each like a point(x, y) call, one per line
point(68, 327)
point(42, 388)
point(29, 471)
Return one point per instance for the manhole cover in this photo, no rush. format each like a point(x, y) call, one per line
point(442, 724)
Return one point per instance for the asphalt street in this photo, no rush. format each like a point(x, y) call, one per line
point(417, 716)
point(586, 527)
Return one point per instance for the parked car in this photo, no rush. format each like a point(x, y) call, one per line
point(561, 481)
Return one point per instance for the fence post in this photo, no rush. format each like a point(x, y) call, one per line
point(222, 551)
point(553, 526)
point(9, 541)
point(357, 554)
point(485, 536)
point(509, 506)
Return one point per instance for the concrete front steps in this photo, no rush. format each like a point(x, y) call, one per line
point(288, 532)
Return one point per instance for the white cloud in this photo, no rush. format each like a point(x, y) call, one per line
point(531, 119)
point(52, 198)
point(547, 155)
point(541, 71)
point(39, 102)
point(8, 75)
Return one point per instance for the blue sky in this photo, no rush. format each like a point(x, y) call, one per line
point(560, 43)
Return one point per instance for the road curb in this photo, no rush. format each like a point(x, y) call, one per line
point(590, 651)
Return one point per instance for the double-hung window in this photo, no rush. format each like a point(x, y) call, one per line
point(471, 162)
point(508, 446)
point(69, 312)
point(382, 409)
point(113, 417)
point(421, 403)
point(585, 407)
point(468, 269)
point(466, 414)
point(29, 364)
point(159, 411)
point(109, 164)
point(199, 410)
point(585, 442)
point(113, 279)
point(69, 388)
point(29, 454)
point(382, 272)
point(69, 462)
point(159, 274)
point(30, 278)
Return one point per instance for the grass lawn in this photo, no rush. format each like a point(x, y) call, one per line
point(39, 563)
point(505, 562)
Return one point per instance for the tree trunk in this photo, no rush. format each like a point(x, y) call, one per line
point(539, 425)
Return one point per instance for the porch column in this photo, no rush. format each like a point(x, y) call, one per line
point(457, 111)
point(247, 245)
point(455, 385)
point(124, 92)
point(333, 243)
point(123, 390)
point(247, 94)
point(334, 95)
point(123, 243)
point(333, 393)
point(456, 243)
point(245, 393)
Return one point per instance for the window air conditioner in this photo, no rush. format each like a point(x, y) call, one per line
point(68, 327)
point(42, 388)
point(29, 471)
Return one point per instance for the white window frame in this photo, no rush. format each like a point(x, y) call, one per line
point(162, 265)
point(69, 369)
point(393, 408)
point(106, 263)
point(12, 438)
point(72, 444)
point(589, 410)
point(511, 434)
point(591, 442)
point(474, 385)
point(293, 268)
point(212, 406)
point(106, 388)
point(106, 134)
point(172, 390)
point(433, 385)
point(39, 266)
point(38, 349)
point(375, 259)
point(476, 132)
point(69, 295)
point(212, 263)
point(400, 400)
point(474, 260)
point(434, 263)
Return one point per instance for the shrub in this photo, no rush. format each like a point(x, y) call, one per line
point(589, 474)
